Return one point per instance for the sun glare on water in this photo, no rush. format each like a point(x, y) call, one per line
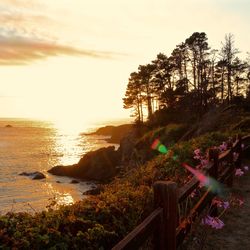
point(69, 143)
point(61, 195)
point(68, 125)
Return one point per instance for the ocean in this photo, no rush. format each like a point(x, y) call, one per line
point(32, 145)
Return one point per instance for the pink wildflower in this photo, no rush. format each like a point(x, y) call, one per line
point(246, 168)
point(217, 223)
point(197, 151)
point(214, 222)
point(238, 172)
point(223, 147)
point(242, 145)
point(197, 154)
point(197, 157)
point(220, 203)
point(225, 205)
point(207, 220)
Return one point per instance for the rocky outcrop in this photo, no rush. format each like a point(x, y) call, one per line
point(116, 132)
point(127, 148)
point(135, 149)
point(99, 165)
point(34, 175)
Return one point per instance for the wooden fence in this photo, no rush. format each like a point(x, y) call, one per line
point(168, 227)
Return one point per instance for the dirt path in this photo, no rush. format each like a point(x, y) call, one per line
point(235, 235)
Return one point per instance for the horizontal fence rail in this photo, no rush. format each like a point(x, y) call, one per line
point(164, 223)
point(140, 234)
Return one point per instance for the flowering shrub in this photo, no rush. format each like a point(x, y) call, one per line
point(215, 222)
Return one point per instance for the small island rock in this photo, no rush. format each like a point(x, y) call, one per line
point(34, 175)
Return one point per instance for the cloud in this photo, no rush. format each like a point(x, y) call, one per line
point(22, 3)
point(19, 50)
point(28, 33)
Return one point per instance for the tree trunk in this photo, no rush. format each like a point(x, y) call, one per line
point(222, 85)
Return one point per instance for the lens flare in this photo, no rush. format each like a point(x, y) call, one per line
point(162, 149)
point(206, 181)
point(157, 145)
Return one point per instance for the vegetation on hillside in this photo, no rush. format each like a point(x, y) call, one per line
point(98, 222)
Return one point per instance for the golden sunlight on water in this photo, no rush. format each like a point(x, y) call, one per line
point(69, 144)
point(30, 146)
point(66, 198)
point(62, 196)
point(71, 125)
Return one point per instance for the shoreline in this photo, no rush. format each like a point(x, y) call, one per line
point(18, 201)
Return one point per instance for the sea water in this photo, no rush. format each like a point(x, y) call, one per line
point(29, 146)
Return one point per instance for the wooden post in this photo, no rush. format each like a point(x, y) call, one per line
point(214, 172)
point(213, 154)
point(165, 196)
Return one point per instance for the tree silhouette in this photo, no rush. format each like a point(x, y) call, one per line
point(190, 81)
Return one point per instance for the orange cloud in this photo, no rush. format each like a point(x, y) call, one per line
point(27, 35)
point(18, 50)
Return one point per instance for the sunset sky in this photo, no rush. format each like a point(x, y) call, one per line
point(71, 59)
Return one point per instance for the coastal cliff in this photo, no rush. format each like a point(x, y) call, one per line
point(116, 133)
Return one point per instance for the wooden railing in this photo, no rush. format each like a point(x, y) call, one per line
point(165, 223)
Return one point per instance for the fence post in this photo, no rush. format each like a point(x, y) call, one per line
point(214, 172)
point(165, 196)
point(213, 154)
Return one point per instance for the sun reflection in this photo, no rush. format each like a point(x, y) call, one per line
point(69, 144)
point(65, 199)
point(71, 125)
point(67, 148)
point(61, 197)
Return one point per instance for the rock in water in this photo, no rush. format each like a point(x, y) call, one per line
point(34, 175)
point(99, 165)
point(38, 176)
